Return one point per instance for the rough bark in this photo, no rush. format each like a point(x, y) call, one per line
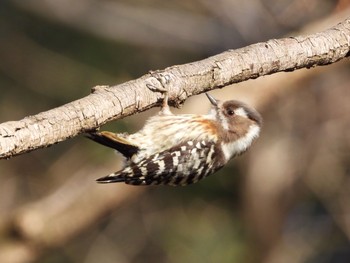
point(182, 81)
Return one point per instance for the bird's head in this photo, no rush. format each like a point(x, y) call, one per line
point(239, 124)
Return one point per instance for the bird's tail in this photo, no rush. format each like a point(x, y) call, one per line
point(112, 140)
point(117, 177)
point(127, 175)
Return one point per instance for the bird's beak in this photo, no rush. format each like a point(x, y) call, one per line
point(212, 100)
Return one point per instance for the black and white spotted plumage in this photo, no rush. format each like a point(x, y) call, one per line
point(183, 164)
point(182, 149)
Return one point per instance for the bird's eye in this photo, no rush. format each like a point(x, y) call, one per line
point(230, 112)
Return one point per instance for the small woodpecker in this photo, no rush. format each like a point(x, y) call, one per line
point(182, 149)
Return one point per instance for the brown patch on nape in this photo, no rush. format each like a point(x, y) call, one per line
point(254, 115)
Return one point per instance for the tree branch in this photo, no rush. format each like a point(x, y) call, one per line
point(108, 103)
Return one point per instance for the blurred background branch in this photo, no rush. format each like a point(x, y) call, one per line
point(286, 201)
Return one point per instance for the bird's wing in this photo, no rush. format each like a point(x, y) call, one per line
point(112, 140)
point(183, 164)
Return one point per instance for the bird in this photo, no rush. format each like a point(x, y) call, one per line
point(181, 149)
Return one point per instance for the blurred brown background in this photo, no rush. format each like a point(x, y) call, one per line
point(286, 200)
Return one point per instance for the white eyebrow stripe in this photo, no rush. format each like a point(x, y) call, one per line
point(241, 112)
